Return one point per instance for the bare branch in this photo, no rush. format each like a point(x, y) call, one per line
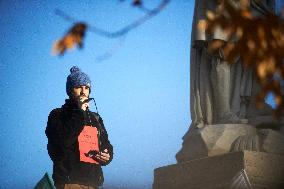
point(122, 31)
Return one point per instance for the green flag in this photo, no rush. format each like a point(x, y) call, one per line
point(45, 183)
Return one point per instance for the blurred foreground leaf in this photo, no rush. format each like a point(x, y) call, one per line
point(257, 40)
point(73, 37)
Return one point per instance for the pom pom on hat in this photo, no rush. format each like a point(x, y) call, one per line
point(74, 69)
point(76, 78)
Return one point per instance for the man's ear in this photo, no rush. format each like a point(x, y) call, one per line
point(71, 96)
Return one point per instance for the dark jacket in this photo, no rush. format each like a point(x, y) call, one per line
point(63, 128)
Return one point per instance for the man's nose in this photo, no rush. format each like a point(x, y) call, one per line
point(83, 90)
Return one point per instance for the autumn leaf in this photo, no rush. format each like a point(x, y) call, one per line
point(73, 37)
point(258, 41)
point(137, 3)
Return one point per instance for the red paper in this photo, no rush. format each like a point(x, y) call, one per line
point(88, 140)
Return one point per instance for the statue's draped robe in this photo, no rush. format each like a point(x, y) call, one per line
point(219, 92)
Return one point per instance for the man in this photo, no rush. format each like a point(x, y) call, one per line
point(78, 142)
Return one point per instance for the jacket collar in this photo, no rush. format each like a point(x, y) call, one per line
point(70, 104)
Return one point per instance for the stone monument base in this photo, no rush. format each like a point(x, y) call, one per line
point(235, 170)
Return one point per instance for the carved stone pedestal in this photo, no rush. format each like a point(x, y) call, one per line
point(236, 170)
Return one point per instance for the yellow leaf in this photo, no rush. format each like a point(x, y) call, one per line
point(202, 25)
point(210, 15)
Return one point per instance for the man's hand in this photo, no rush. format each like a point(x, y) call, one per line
point(82, 105)
point(103, 156)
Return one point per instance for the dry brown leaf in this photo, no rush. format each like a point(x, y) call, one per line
point(258, 41)
point(215, 45)
point(202, 25)
point(73, 37)
point(210, 15)
point(137, 2)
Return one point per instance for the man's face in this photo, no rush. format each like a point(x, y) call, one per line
point(80, 91)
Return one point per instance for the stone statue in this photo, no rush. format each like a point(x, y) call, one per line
point(222, 97)
point(220, 93)
point(230, 143)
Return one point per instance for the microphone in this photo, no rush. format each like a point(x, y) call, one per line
point(87, 100)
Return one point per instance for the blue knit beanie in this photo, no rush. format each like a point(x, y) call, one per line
point(76, 79)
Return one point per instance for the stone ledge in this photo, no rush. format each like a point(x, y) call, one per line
point(212, 140)
point(262, 170)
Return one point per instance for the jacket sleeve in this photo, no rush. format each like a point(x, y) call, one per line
point(62, 131)
point(105, 143)
point(52, 135)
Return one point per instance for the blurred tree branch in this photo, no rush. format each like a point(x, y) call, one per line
point(75, 35)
